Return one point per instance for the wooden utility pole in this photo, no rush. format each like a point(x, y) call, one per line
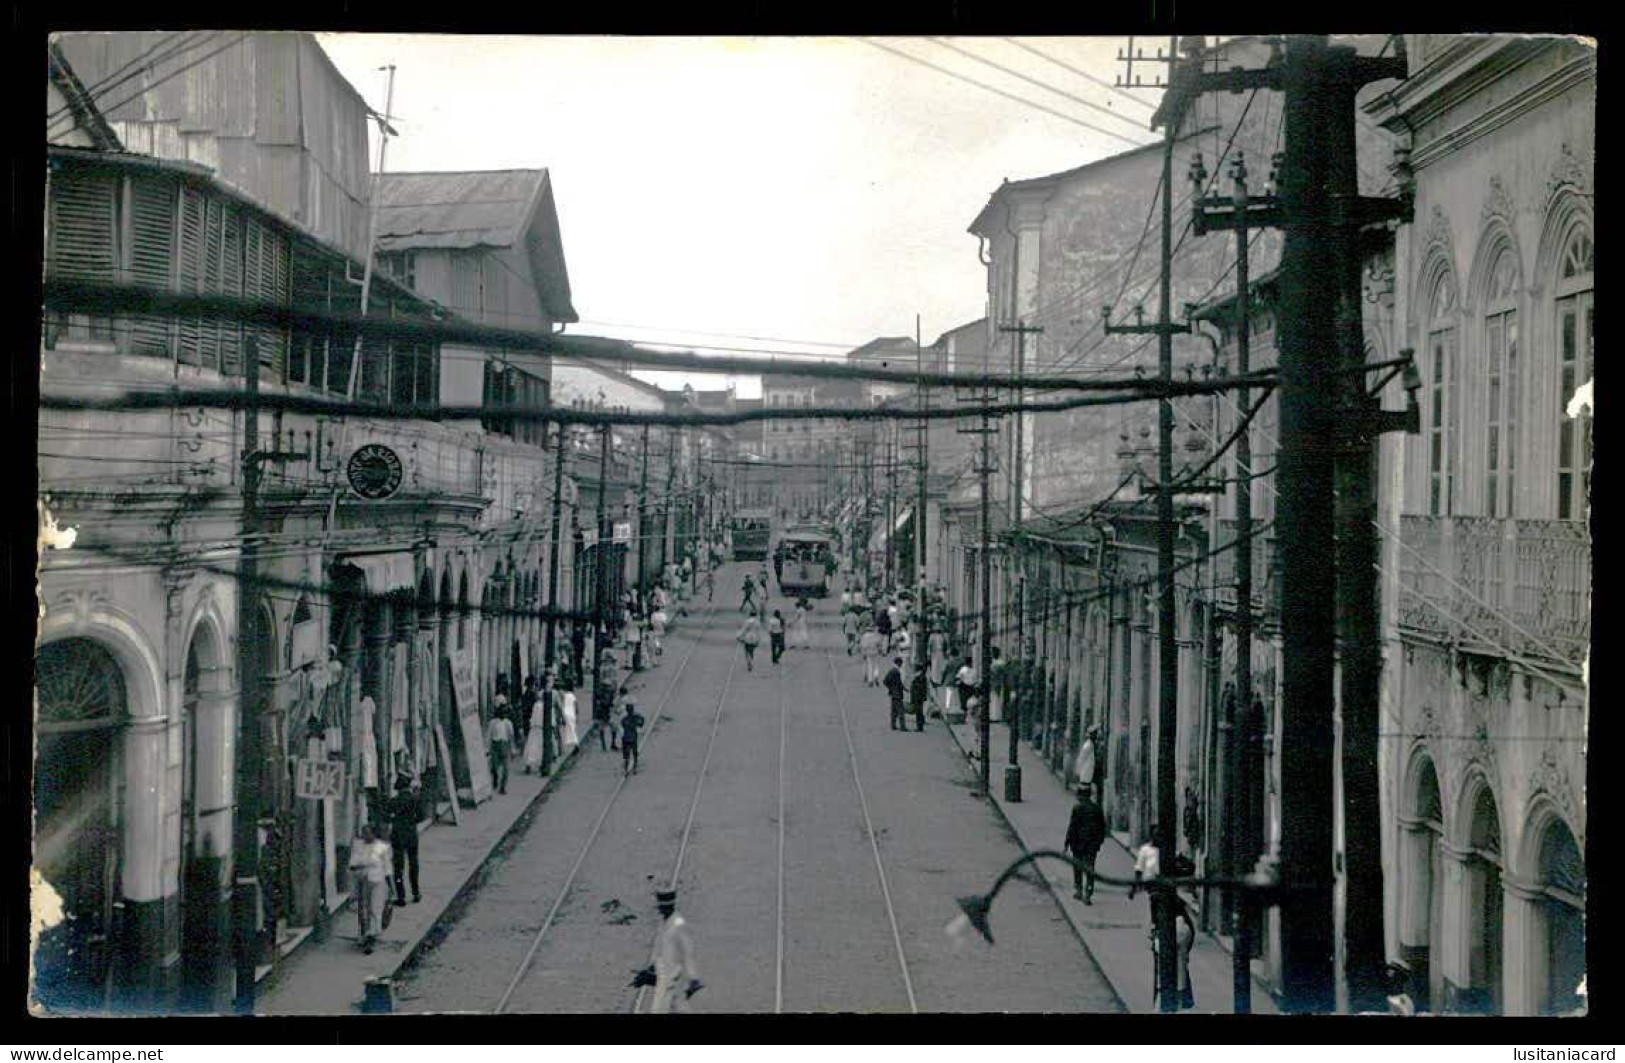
point(643, 522)
point(1167, 794)
point(557, 533)
point(246, 893)
point(1015, 695)
point(601, 573)
point(1360, 658)
point(1239, 845)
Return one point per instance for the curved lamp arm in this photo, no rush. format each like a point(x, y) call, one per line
point(1263, 881)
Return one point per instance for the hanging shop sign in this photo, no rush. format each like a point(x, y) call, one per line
point(623, 531)
point(374, 471)
point(317, 779)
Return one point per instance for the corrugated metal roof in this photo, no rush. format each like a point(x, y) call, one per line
point(484, 208)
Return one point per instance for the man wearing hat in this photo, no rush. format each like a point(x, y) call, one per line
point(1085, 833)
point(675, 977)
point(405, 813)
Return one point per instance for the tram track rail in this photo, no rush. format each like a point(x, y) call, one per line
point(869, 829)
point(694, 804)
point(550, 919)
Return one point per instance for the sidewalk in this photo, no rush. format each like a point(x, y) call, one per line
point(1114, 928)
point(329, 977)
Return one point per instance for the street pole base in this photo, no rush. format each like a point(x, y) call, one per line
point(1012, 782)
point(379, 997)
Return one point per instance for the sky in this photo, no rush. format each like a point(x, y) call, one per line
point(799, 195)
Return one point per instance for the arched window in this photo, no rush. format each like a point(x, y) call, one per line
point(1575, 317)
point(1562, 883)
point(1443, 415)
point(1501, 407)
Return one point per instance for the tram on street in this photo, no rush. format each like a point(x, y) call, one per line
point(803, 560)
point(752, 530)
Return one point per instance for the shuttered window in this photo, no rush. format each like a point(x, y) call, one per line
point(190, 271)
point(83, 244)
point(151, 259)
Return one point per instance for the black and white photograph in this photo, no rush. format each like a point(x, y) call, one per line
point(812, 525)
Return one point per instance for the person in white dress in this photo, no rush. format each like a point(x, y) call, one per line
point(800, 637)
point(677, 978)
point(568, 739)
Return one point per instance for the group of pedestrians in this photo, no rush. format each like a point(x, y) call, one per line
point(522, 729)
point(782, 634)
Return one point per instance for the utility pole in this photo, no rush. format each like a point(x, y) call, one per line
point(1360, 668)
point(984, 625)
point(920, 656)
point(1014, 703)
point(561, 431)
point(1167, 803)
point(643, 521)
point(246, 824)
point(245, 894)
point(1241, 213)
point(601, 572)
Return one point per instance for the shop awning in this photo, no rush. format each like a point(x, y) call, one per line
point(384, 572)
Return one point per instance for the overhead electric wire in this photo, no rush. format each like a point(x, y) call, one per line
point(143, 61)
point(62, 294)
point(997, 92)
point(108, 109)
point(941, 42)
point(1118, 89)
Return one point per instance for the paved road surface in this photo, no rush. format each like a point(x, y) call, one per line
point(838, 904)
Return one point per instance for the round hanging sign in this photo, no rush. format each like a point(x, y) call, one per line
point(374, 471)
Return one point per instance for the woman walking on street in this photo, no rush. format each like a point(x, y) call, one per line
point(872, 645)
point(750, 636)
point(800, 637)
point(849, 628)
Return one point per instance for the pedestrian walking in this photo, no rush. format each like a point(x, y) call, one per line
point(998, 675)
point(894, 691)
point(965, 680)
point(632, 635)
point(871, 644)
point(1091, 763)
point(603, 700)
point(499, 736)
point(674, 974)
point(525, 711)
point(1085, 833)
point(657, 630)
point(800, 637)
point(1147, 862)
point(406, 811)
point(936, 652)
point(631, 724)
point(919, 690)
point(750, 636)
point(534, 740)
point(568, 738)
point(775, 635)
point(369, 868)
point(748, 605)
point(1185, 936)
point(883, 623)
point(849, 628)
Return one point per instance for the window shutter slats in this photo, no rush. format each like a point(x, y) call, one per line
point(231, 283)
point(83, 221)
point(189, 271)
point(153, 203)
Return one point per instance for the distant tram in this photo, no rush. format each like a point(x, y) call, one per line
point(752, 531)
point(803, 561)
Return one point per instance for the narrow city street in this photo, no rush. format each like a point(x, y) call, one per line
point(817, 854)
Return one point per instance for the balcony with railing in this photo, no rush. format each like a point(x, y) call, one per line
point(1499, 586)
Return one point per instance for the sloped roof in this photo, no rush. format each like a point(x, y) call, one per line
point(480, 208)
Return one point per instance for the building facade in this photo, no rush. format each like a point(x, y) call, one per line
point(1487, 552)
point(365, 613)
